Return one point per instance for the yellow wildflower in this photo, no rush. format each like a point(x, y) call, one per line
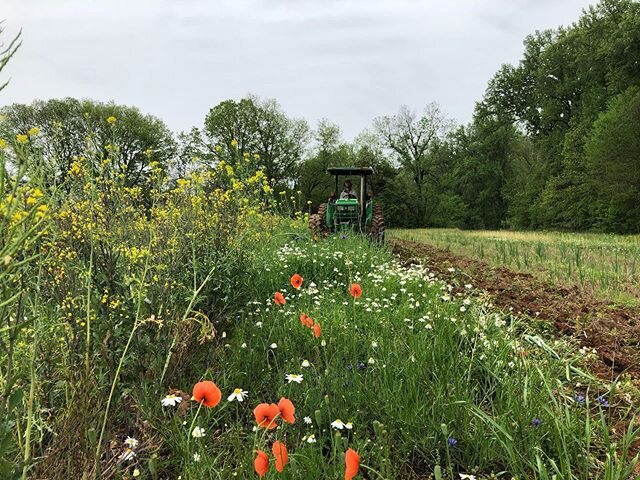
point(34, 131)
point(22, 139)
point(42, 209)
point(267, 189)
point(245, 154)
point(148, 152)
point(3, 144)
point(234, 143)
point(218, 148)
point(111, 120)
point(75, 169)
point(256, 156)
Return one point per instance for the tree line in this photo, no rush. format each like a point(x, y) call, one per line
point(554, 143)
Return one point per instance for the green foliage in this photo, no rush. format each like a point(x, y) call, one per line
point(566, 79)
point(613, 164)
point(69, 127)
point(260, 128)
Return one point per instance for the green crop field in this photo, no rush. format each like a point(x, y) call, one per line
point(607, 264)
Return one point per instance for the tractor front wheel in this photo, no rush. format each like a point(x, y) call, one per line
point(376, 232)
point(318, 221)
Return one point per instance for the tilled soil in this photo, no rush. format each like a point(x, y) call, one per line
point(613, 330)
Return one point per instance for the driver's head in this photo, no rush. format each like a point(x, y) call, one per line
point(347, 184)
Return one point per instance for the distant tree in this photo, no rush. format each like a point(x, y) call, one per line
point(415, 143)
point(257, 127)
point(70, 128)
point(613, 165)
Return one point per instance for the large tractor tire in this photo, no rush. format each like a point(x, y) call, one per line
point(318, 221)
point(376, 232)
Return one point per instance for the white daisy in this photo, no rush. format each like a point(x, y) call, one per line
point(197, 432)
point(171, 400)
point(131, 442)
point(273, 345)
point(464, 476)
point(128, 454)
point(196, 457)
point(238, 394)
point(293, 377)
point(338, 424)
point(307, 420)
point(348, 426)
point(309, 438)
point(306, 364)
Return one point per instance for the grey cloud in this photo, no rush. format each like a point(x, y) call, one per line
point(347, 60)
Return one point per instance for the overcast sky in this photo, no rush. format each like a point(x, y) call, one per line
point(346, 60)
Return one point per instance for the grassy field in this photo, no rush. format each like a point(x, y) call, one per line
point(607, 264)
point(194, 329)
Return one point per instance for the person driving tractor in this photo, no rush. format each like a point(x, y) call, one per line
point(347, 193)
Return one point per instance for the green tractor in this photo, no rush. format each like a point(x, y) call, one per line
point(349, 211)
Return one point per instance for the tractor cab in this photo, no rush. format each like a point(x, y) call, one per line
point(350, 207)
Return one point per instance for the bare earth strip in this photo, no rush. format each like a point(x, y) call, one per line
point(613, 330)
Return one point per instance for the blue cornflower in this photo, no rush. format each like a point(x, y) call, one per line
point(579, 398)
point(536, 422)
point(362, 365)
point(602, 401)
point(452, 441)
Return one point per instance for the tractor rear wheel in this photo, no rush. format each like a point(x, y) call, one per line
point(318, 221)
point(376, 232)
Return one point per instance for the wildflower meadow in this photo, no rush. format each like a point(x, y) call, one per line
point(195, 329)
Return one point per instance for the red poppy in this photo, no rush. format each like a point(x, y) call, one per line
point(316, 330)
point(303, 317)
point(266, 414)
point(280, 453)
point(279, 298)
point(261, 463)
point(307, 321)
point(355, 290)
point(207, 393)
point(287, 410)
point(351, 464)
point(296, 281)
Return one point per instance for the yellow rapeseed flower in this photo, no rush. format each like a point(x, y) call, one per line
point(111, 120)
point(3, 144)
point(22, 139)
point(245, 154)
point(75, 169)
point(218, 148)
point(256, 156)
point(34, 131)
point(234, 143)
